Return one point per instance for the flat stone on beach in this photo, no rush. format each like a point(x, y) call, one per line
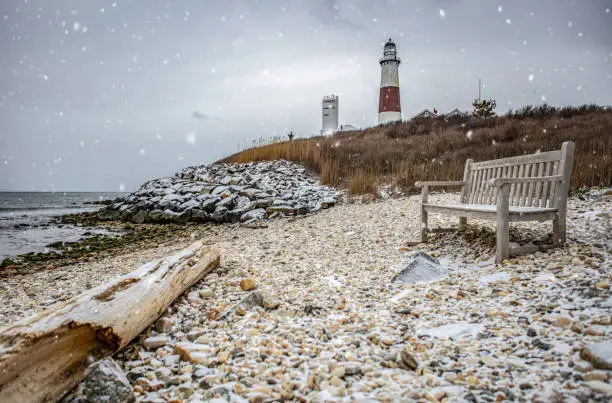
point(155, 342)
point(599, 354)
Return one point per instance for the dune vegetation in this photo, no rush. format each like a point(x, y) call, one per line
point(436, 149)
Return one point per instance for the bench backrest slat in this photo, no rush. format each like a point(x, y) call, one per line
point(536, 194)
point(535, 200)
point(520, 159)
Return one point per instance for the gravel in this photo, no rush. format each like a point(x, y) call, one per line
point(340, 329)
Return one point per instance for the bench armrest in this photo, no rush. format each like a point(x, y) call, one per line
point(497, 182)
point(421, 184)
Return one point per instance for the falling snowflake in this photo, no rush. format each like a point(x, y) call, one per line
point(578, 88)
point(190, 138)
point(442, 13)
point(531, 77)
point(121, 187)
point(569, 24)
point(500, 9)
point(543, 98)
point(76, 26)
point(469, 134)
point(142, 151)
point(508, 21)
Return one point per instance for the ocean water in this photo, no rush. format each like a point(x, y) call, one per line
point(29, 220)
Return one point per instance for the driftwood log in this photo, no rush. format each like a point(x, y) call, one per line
point(43, 357)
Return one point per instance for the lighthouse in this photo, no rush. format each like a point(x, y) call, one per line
point(389, 108)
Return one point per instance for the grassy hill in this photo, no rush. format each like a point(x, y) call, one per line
point(404, 152)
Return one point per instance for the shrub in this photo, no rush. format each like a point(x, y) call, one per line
point(484, 108)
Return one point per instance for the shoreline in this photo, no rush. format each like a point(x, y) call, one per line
point(116, 238)
point(33, 224)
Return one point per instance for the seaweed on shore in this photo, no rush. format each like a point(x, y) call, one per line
point(127, 238)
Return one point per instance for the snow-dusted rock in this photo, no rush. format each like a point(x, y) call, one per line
point(105, 382)
point(599, 354)
point(452, 331)
point(257, 214)
point(493, 278)
point(225, 193)
point(422, 267)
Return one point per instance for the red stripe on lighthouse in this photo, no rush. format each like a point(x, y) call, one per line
point(389, 100)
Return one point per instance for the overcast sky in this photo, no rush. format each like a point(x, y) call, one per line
point(105, 94)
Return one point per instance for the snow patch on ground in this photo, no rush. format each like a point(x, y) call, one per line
point(499, 276)
point(452, 331)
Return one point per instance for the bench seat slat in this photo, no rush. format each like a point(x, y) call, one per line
point(489, 211)
point(491, 208)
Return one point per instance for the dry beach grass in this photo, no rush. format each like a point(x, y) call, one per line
point(406, 152)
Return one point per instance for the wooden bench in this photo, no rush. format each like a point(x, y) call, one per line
point(524, 188)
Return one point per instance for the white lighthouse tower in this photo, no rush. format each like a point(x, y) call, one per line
point(389, 108)
point(330, 114)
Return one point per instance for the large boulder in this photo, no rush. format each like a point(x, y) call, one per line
point(104, 382)
point(198, 215)
point(140, 217)
point(257, 214)
point(422, 267)
point(220, 214)
point(109, 214)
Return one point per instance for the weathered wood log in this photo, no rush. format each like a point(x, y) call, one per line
point(43, 357)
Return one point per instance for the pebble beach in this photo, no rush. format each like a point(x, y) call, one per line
point(306, 309)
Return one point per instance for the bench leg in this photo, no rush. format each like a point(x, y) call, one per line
point(502, 250)
point(559, 234)
point(462, 222)
point(424, 198)
point(502, 237)
point(424, 226)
